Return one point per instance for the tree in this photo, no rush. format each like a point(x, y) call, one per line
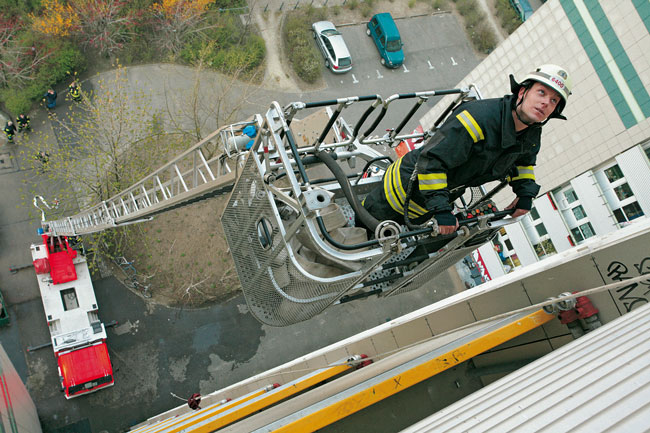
point(105, 143)
point(210, 99)
point(105, 25)
point(112, 139)
point(18, 62)
point(175, 21)
point(56, 19)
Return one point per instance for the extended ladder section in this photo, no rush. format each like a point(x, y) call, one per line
point(207, 169)
point(327, 395)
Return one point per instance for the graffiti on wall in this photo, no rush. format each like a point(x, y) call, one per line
point(634, 294)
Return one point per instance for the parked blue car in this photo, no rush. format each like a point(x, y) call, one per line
point(383, 31)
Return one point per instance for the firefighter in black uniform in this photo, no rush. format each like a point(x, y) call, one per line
point(10, 130)
point(481, 141)
point(23, 122)
point(75, 91)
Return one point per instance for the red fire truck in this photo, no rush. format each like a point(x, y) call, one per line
point(78, 336)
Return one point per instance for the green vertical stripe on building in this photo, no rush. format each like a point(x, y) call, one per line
point(620, 56)
point(643, 8)
point(599, 64)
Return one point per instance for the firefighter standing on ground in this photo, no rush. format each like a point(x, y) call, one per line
point(10, 130)
point(481, 141)
point(75, 91)
point(23, 122)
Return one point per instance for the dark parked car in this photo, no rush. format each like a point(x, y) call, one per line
point(383, 31)
point(332, 46)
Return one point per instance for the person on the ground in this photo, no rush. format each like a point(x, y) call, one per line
point(481, 141)
point(23, 122)
point(43, 157)
point(10, 130)
point(50, 98)
point(75, 91)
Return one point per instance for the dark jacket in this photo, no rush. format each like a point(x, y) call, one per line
point(9, 129)
point(476, 144)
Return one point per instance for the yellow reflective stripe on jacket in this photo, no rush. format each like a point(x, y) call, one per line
point(395, 193)
point(472, 127)
point(525, 172)
point(432, 181)
point(413, 206)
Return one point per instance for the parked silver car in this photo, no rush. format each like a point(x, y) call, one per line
point(331, 44)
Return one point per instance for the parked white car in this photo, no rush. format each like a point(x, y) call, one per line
point(332, 46)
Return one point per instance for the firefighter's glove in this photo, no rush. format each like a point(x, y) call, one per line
point(447, 223)
point(521, 206)
point(525, 203)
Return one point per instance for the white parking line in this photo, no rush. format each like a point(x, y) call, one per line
point(430, 65)
point(379, 76)
point(453, 62)
point(354, 79)
point(405, 70)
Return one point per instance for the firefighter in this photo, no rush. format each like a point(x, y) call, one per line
point(10, 130)
point(23, 122)
point(50, 98)
point(481, 141)
point(75, 91)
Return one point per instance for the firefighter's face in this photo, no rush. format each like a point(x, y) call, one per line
point(539, 102)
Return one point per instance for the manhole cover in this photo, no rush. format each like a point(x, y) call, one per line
point(5, 160)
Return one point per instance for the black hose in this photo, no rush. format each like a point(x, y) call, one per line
point(368, 220)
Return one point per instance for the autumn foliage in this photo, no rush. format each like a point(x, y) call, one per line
point(57, 18)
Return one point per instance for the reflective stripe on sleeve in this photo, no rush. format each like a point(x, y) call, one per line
point(470, 124)
point(432, 181)
point(395, 193)
point(525, 172)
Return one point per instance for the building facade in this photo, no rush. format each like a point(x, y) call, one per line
point(593, 168)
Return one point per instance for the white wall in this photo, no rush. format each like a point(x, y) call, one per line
point(636, 170)
point(553, 222)
point(594, 204)
point(521, 244)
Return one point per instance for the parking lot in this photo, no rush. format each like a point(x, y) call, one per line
point(437, 55)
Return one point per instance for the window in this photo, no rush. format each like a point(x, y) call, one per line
point(632, 211)
point(570, 196)
point(541, 230)
point(587, 230)
point(647, 151)
point(613, 173)
point(620, 216)
point(508, 244)
point(577, 235)
point(623, 191)
point(579, 212)
point(534, 214)
point(545, 248)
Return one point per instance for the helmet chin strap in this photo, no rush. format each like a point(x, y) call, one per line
point(522, 120)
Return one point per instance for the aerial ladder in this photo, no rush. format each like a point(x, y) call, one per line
point(290, 229)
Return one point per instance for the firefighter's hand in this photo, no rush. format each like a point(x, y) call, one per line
point(521, 205)
point(447, 223)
